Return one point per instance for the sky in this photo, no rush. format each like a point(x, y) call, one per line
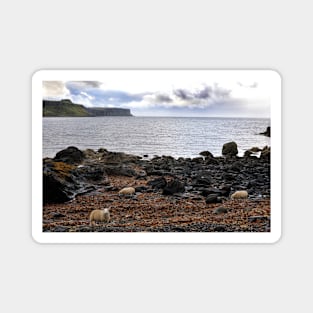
point(171, 92)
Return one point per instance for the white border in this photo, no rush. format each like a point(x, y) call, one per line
point(152, 238)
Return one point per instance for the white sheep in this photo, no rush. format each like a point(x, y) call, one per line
point(102, 216)
point(241, 194)
point(127, 191)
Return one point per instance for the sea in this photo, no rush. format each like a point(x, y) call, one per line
point(153, 136)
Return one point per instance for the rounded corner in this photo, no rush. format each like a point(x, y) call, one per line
point(276, 238)
point(36, 74)
point(35, 238)
point(276, 74)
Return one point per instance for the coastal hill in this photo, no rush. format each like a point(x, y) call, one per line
point(66, 108)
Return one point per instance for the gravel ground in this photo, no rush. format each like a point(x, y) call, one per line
point(150, 211)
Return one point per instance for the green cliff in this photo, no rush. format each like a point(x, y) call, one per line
point(66, 108)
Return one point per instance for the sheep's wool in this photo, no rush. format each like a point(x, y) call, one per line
point(127, 191)
point(102, 216)
point(242, 194)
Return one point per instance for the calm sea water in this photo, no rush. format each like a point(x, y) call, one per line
point(175, 136)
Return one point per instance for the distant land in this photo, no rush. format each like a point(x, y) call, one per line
point(66, 108)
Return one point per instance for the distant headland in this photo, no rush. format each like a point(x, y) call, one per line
point(66, 108)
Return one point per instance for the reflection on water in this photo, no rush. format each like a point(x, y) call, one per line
point(175, 136)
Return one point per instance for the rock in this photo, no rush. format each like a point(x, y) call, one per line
point(209, 160)
point(212, 199)
point(119, 158)
point(255, 218)
point(63, 181)
point(247, 153)
point(206, 154)
point(220, 210)
point(91, 172)
point(266, 153)
point(255, 149)
point(236, 166)
point(197, 160)
point(230, 149)
point(208, 191)
point(71, 155)
point(57, 215)
point(58, 184)
point(225, 189)
point(173, 186)
point(219, 229)
point(140, 188)
point(157, 183)
point(267, 132)
point(229, 176)
point(202, 179)
point(120, 170)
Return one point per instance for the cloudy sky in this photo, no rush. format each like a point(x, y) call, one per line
point(171, 93)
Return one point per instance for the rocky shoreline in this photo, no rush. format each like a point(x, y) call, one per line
point(172, 195)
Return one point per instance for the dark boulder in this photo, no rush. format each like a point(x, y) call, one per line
point(230, 149)
point(267, 132)
point(236, 166)
point(220, 210)
point(209, 191)
point(266, 153)
point(63, 181)
point(70, 155)
point(213, 198)
point(203, 179)
point(206, 154)
point(92, 172)
point(173, 186)
point(58, 183)
point(120, 170)
point(157, 183)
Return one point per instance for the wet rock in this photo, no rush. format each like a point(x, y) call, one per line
point(256, 218)
point(57, 215)
point(202, 179)
point(61, 229)
point(236, 166)
point(206, 154)
point(208, 191)
point(58, 183)
point(197, 160)
point(140, 188)
point(120, 170)
point(209, 160)
point(92, 172)
point(219, 229)
point(266, 153)
point(71, 155)
point(157, 183)
point(229, 176)
point(173, 186)
point(220, 210)
point(212, 199)
point(225, 189)
point(267, 132)
point(230, 149)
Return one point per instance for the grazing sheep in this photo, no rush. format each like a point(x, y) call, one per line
point(241, 194)
point(102, 216)
point(128, 191)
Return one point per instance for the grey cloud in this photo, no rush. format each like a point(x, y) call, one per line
point(182, 94)
point(205, 93)
point(163, 98)
point(83, 85)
